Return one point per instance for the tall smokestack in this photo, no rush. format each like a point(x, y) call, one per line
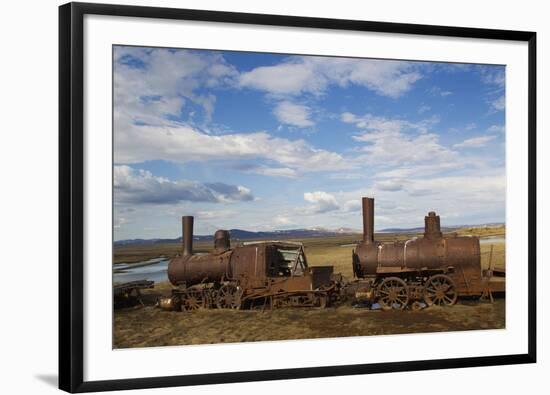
point(432, 226)
point(187, 234)
point(368, 220)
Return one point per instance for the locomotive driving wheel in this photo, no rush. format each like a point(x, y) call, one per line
point(228, 297)
point(440, 290)
point(393, 294)
point(192, 300)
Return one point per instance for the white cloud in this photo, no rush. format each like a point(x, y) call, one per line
point(493, 75)
point(475, 142)
point(291, 78)
point(352, 205)
point(423, 170)
point(119, 222)
point(275, 171)
point(138, 186)
point(483, 196)
point(470, 191)
point(150, 84)
point(437, 91)
point(217, 214)
point(467, 127)
point(398, 142)
point(293, 114)
point(322, 201)
point(496, 129)
point(283, 220)
point(424, 108)
point(298, 75)
point(389, 185)
point(495, 78)
point(346, 176)
point(498, 104)
point(226, 193)
point(182, 143)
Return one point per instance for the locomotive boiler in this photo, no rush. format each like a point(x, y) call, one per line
point(254, 274)
point(433, 268)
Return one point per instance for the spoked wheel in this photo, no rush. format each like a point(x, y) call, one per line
point(440, 290)
point(393, 294)
point(212, 298)
point(228, 297)
point(192, 300)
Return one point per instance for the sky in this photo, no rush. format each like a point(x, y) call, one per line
point(275, 141)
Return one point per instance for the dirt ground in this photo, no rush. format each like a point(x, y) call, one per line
point(151, 327)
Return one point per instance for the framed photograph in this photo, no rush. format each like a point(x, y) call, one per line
point(251, 197)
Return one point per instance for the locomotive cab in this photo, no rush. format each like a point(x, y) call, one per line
point(285, 260)
point(286, 267)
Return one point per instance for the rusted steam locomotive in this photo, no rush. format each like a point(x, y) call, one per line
point(433, 269)
point(250, 275)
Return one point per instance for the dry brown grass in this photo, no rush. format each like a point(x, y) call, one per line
point(497, 257)
point(148, 327)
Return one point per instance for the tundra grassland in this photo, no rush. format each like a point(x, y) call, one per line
point(147, 326)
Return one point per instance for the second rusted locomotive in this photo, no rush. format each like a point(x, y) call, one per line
point(250, 275)
point(433, 269)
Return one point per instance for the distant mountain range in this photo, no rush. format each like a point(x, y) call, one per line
point(239, 234)
point(443, 228)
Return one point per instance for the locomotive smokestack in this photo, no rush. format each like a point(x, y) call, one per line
point(368, 220)
point(221, 240)
point(187, 234)
point(432, 226)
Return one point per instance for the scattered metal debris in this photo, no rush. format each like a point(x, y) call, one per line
point(128, 294)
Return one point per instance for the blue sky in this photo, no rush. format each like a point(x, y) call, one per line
point(268, 141)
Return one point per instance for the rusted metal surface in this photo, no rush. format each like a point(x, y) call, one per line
point(127, 294)
point(368, 220)
point(129, 287)
point(432, 226)
point(248, 263)
point(434, 268)
point(419, 254)
point(221, 240)
point(195, 269)
point(187, 235)
point(267, 274)
point(321, 275)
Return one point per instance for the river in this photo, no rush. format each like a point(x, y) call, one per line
point(152, 269)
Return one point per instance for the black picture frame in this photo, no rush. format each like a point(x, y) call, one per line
point(71, 197)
